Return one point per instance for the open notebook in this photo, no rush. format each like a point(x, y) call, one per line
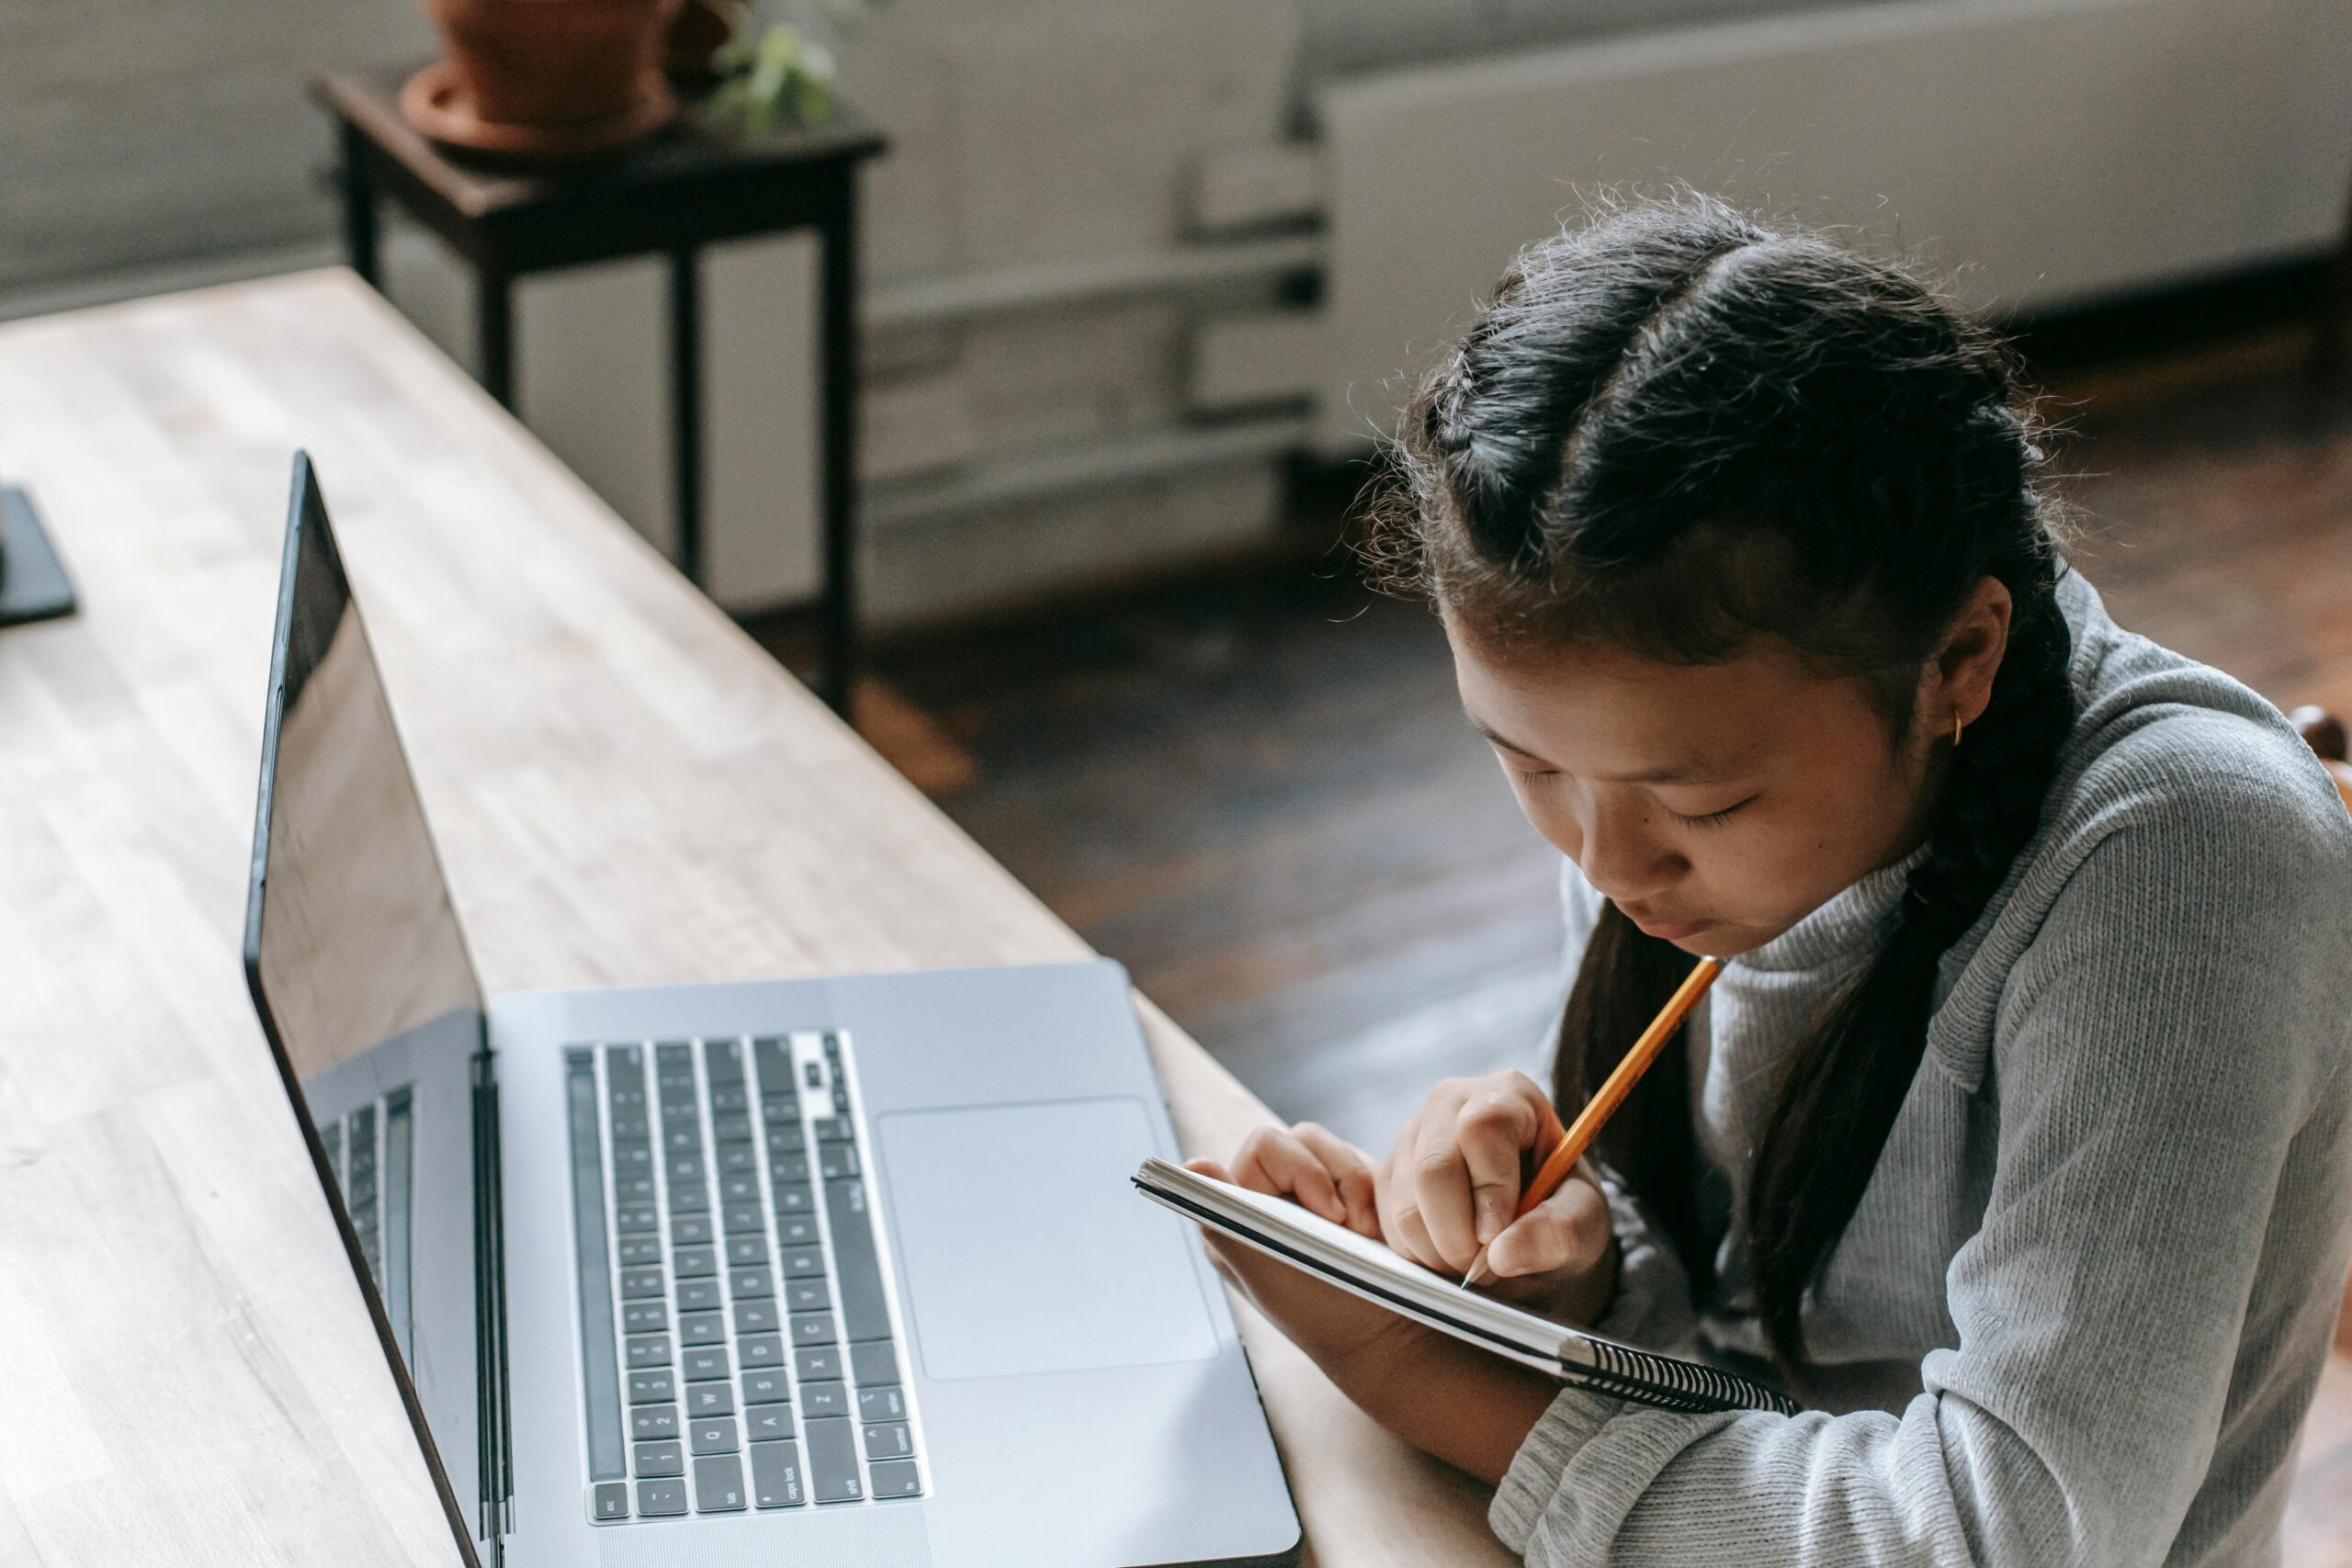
point(1282, 1229)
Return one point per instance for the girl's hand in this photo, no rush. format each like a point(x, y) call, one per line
point(1452, 1185)
point(1325, 1175)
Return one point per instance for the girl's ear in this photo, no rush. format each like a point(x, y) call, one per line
point(1963, 669)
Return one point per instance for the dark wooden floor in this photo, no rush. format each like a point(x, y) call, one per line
point(1259, 792)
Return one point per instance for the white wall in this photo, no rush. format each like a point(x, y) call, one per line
point(2051, 151)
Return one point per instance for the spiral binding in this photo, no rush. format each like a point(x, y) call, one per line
point(1668, 1382)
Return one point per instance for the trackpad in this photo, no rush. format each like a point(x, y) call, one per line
point(1027, 1248)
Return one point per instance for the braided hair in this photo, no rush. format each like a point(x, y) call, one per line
point(1677, 431)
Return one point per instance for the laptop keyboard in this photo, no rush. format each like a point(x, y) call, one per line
point(739, 1347)
point(372, 1151)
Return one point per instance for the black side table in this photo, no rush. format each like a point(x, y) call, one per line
point(682, 189)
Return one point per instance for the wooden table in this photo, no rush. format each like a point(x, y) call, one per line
point(625, 789)
point(691, 185)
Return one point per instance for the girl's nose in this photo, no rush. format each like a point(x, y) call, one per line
point(1622, 859)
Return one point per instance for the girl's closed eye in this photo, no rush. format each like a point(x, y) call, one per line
point(1712, 819)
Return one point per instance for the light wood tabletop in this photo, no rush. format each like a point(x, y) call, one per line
point(625, 790)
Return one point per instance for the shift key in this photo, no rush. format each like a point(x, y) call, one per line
point(833, 1462)
point(865, 1313)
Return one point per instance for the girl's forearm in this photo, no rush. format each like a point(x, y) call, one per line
point(1451, 1401)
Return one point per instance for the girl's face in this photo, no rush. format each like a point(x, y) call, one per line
point(1718, 805)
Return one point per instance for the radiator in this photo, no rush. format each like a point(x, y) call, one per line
point(2043, 152)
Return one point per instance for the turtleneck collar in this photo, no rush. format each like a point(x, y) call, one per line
point(1845, 927)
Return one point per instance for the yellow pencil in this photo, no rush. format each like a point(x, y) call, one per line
point(1602, 1106)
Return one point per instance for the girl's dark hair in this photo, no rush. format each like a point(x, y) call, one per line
point(1676, 430)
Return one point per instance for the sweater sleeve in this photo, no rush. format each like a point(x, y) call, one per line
point(2161, 1040)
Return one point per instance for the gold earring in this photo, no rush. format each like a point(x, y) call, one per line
point(1955, 729)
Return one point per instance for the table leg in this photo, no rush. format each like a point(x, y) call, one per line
point(838, 439)
point(358, 204)
point(685, 407)
point(495, 333)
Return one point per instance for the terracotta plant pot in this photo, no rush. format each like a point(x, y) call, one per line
point(555, 63)
point(701, 29)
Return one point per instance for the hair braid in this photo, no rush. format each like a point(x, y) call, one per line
point(1989, 808)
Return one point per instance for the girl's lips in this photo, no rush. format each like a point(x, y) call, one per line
point(1669, 931)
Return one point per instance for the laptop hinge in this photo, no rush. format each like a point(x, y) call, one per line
point(492, 1422)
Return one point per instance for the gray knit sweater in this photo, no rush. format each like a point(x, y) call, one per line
point(2081, 1309)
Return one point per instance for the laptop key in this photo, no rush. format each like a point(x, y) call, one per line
point(821, 1363)
point(644, 1318)
point(632, 1126)
point(764, 1422)
point(837, 1161)
point(731, 1127)
point(734, 1097)
point(887, 1403)
point(706, 1364)
point(641, 1284)
point(794, 1197)
point(693, 1200)
point(824, 1399)
point(733, 1157)
point(647, 1350)
point(648, 1422)
point(690, 1230)
point(686, 1167)
point(888, 1440)
point(652, 1388)
point(812, 1328)
point(776, 1475)
point(635, 1219)
point(764, 1388)
point(874, 1361)
point(739, 1218)
point(744, 1251)
point(788, 1168)
point(666, 1457)
point(761, 1350)
point(832, 1462)
point(785, 1138)
point(710, 1399)
point(713, 1435)
point(610, 1500)
point(739, 1189)
point(898, 1477)
point(698, 1295)
point(750, 1282)
point(865, 1313)
point(806, 1295)
point(834, 1130)
point(639, 1250)
point(681, 1137)
point(702, 1328)
point(756, 1316)
point(719, 1484)
point(660, 1499)
point(796, 1230)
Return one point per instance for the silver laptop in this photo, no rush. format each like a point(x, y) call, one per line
point(844, 1272)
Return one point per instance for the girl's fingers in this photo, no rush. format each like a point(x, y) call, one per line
point(1441, 1192)
point(1352, 1174)
point(1568, 1230)
point(1497, 1125)
point(1273, 1160)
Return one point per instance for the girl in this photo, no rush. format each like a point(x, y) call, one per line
point(2014, 1139)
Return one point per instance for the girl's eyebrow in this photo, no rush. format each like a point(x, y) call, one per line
point(1682, 773)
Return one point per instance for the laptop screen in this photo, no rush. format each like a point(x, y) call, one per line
point(360, 974)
